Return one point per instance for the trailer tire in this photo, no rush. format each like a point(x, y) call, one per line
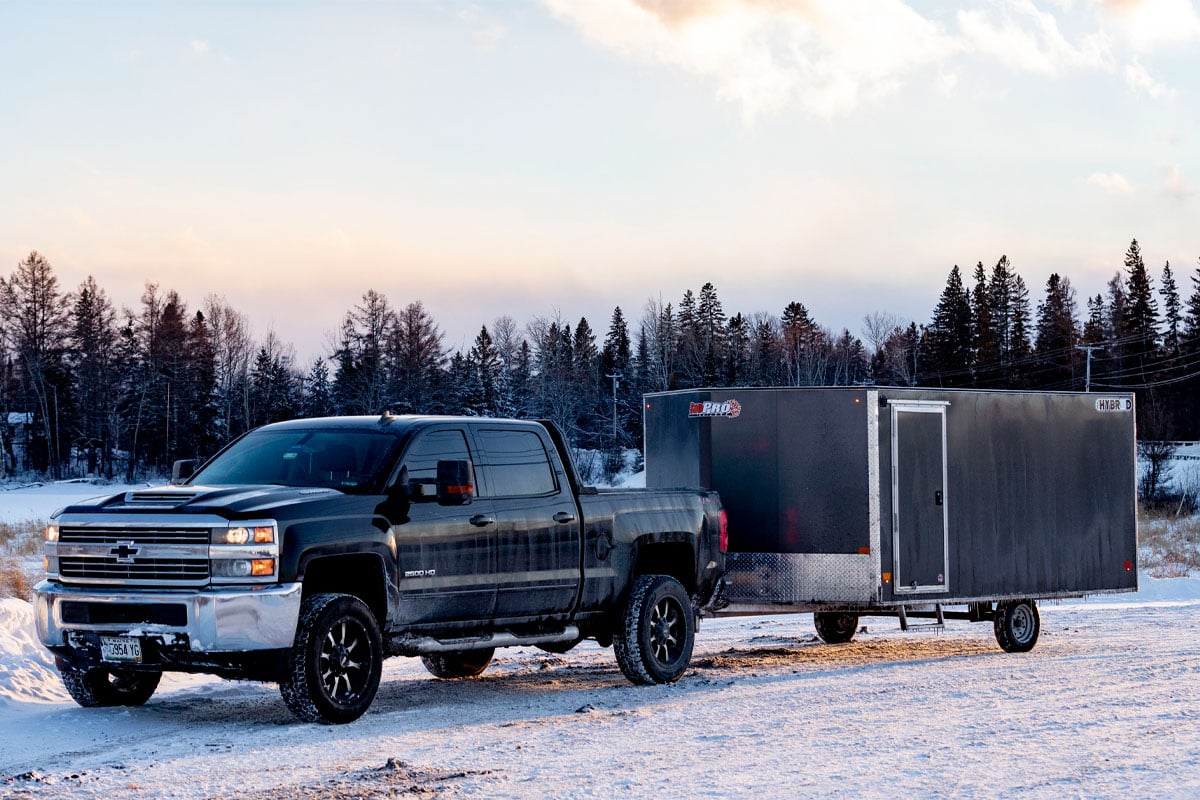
point(1017, 625)
point(335, 664)
point(657, 630)
point(459, 663)
point(98, 687)
point(835, 627)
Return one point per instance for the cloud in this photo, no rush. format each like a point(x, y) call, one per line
point(1150, 24)
point(1139, 79)
point(828, 56)
point(1030, 40)
point(201, 48)
point(1111, 182)
point(1174, 186)
point(487, 34)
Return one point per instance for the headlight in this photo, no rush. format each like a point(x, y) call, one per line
point(245, 552)
point(51, 533)
point(248, 534)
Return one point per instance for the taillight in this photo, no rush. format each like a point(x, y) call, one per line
point(724, 537)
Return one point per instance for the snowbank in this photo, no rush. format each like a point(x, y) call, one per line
point(27, 673)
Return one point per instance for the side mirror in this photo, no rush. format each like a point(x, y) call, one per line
point(182, 470)
point(454, 484)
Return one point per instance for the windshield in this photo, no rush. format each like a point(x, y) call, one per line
point(356, 462)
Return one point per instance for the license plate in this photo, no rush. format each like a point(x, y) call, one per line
point(120, 649)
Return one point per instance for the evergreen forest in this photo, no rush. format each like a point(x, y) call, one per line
point(92, 389)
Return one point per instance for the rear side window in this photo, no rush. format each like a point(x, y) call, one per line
point(517, 463)
point(421, 460)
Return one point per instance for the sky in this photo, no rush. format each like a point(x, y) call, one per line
point(542, 158)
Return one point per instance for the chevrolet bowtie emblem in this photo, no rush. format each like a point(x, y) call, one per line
point(124, 551)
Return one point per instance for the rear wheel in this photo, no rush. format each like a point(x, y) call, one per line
point(1017, 624)
point(835, 627)
point(459, 663)
point(97, 687)
point(658, 627)
point(335, 664)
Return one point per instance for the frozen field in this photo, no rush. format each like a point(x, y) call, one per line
point(1104, 706)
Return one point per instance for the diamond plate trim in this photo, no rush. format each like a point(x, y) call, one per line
point(800, 578)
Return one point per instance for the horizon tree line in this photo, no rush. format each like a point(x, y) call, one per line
point(97, 390)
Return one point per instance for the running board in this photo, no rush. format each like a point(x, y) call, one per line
point(423, 645)
point(938, 615)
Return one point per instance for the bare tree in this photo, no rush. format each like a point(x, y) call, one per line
point(229, 332)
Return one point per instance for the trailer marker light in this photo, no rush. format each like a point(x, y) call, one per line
point(1128, 566)
point(887, 577)
point(864, 551)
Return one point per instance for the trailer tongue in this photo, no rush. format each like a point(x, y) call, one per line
point(851, 502)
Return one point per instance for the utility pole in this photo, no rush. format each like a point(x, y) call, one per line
point(1087, 382)
point(615, 378)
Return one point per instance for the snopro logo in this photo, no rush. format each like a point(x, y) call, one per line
point(730, 409)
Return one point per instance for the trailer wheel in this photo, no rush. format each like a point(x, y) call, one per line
point(96, 687)
point(835, 627)
point(334, 667)
point(657, 630)
point(1017, 625)
point(459, 663)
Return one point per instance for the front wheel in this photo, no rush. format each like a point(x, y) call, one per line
point(335, 663)
point(1017, 624)
point(458, 663)
point(657, 630)
point(97, 687)
point(835, 627)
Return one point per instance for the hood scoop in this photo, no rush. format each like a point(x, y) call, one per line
point(159, 498)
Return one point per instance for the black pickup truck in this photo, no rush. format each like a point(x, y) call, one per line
point(306, 552)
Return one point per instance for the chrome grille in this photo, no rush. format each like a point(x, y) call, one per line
point(139, 536)
point(154, 551)
point(108, 568)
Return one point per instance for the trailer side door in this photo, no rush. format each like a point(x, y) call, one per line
point(919, 503)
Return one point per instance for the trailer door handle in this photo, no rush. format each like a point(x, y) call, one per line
point(937, 497)
point(563, 517)
point(481, 520)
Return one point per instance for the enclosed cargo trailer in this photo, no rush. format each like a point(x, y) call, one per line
point(858, 501)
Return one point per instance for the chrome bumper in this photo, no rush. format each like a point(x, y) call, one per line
point(218, 620)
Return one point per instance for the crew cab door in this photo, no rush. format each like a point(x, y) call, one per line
point(537, 524)
point(444, 545)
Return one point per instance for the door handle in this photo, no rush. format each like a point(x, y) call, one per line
point(481, 520)
point(563, 517)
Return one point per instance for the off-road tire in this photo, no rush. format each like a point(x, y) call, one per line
point(97, 687)
point(1017, 624)
point(835, 627)
point(657, 629)
point(334, 667)
point(459, 663)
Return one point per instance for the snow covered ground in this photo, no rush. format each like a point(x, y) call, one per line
point(1104, 706)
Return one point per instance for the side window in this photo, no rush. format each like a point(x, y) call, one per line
point(421, 460)
point(517, 463)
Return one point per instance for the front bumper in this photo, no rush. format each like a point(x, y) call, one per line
point(217, 620)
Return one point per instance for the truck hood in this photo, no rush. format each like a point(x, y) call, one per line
point(223, 500)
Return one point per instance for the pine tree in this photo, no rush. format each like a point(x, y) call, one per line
point(736, 371)
point(1141, 309)
point(1172, 311)
point(415, 357)
point(1057, 336)
point(317, 391)
point(92, 352)
point(951, 335)
point(483, 390)
point(987, 345)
